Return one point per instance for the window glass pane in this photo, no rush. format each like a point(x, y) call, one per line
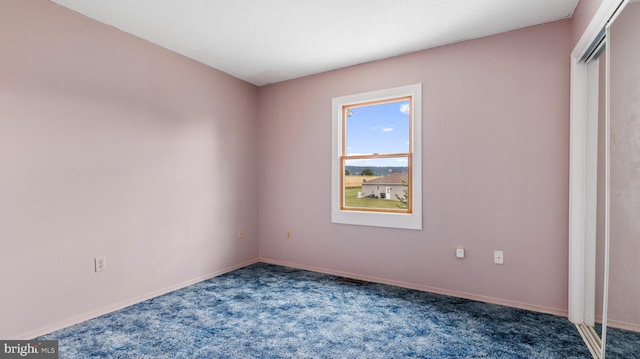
point(376, 184)
point(378, 128)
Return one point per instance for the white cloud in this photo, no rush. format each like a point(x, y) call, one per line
point(385, 128)
point(405, 108)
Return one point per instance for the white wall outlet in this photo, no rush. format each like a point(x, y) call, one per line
point(460, 252)
point(241, 233)
point(289, 234)
point(498, 257)
point(101, 264)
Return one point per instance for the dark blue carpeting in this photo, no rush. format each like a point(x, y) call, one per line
point(267, 311)
point(622, 344)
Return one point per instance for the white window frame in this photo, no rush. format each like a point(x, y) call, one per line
point(411, 220)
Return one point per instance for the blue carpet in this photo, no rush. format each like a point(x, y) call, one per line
point(622, 344)
point(267, 311)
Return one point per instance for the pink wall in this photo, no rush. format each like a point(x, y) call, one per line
point(112, 146)
point(495, 171)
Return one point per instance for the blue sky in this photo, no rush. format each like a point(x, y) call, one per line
point(381, 128)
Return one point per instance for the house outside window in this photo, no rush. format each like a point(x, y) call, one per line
point(390, 187)
point(376, 164)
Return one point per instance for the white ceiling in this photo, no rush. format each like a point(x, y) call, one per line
point(267, 41)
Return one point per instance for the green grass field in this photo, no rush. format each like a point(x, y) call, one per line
point(352, 200)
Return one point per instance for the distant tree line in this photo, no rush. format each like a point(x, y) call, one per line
point(373, 171)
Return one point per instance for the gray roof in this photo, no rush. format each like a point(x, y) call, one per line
point(394, 178)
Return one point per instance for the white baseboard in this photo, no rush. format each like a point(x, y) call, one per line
point(480, 298)
point(618, 324)
point(623, 325)
point(138, 299)
point(112, 308)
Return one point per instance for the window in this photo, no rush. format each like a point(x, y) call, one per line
point(376, 164)
point(376, 142)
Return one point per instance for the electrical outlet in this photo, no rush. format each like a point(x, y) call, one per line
point(241, 233)
point(460, 252)
point(289, 234)
point(498, 257)
point(101, 264)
